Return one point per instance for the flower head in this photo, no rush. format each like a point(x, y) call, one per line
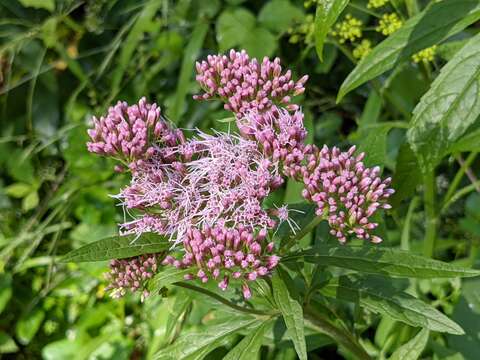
point(389, 23)
point(223, 254)
point(346, 192)
point(130, 133)
point(425, 55)
point(376, 3)
point(349, 29)
point(245, 84)
point(131, 274)
point(363, 49)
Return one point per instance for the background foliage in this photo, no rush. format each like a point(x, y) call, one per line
point(63, 61)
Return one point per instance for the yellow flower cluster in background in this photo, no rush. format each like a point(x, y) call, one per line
point(349, 29)
point(389, 23)
point(305, 31)
point(376, 3)
point(425, 55)
point(363, 49)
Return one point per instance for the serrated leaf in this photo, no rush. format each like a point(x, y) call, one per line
point(119, 247)
point(436, 23)
point(197, 344)
point(325, 16)
point(379, 296)
point(233, 26)
point(412, 349)
point(167, 276)
point(447, 110)
point(248, 348)
point(382, 261)
point(291, 310)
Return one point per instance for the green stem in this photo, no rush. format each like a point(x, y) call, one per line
point(412, 7)
point(430, 213)
point(300, 235)
point(224, 301)
point(364, 10)
point(318, 323)
point(405, 239)
point(459, 175)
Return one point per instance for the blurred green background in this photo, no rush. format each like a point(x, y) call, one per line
point(63, 61)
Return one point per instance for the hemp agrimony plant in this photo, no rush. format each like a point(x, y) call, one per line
point(198, 215)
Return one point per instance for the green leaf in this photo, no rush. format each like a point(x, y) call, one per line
point(279, 15)
point(28, 325)
point(406, 176)
point(325, 16)
point(118, 247)
point(447, 110)
point(248, 348)
point(176, 310)
point(259, 42)
point(7, 344)
point(380, 260)
point(291, 310)
point(412, 349)
point(233, 26)
point(39, 4)
point(130, 44)
point(372, 110)
point(18, 190)
point(197, 344)
point(30, 201)
point(5, 290)
point(373, 142)
point(436, 23)
point(467, 143)
point(167, 276)
point(379, 296)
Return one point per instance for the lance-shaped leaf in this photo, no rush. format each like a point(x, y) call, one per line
point(378, 295)
point(325, 16)
point(447, 110)
point(380, 260)
point(196, 345)
point(412, 349)
point(436, 23)
point(291, 310)
point(118, 247)
point(250, 345)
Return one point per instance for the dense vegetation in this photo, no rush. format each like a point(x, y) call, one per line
point(397, 78)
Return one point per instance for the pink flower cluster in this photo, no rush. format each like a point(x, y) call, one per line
point(221, 253)
point(130, 133)
point(346, 192)
point(131, 274)
point(245, 84)
point(207, 194)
